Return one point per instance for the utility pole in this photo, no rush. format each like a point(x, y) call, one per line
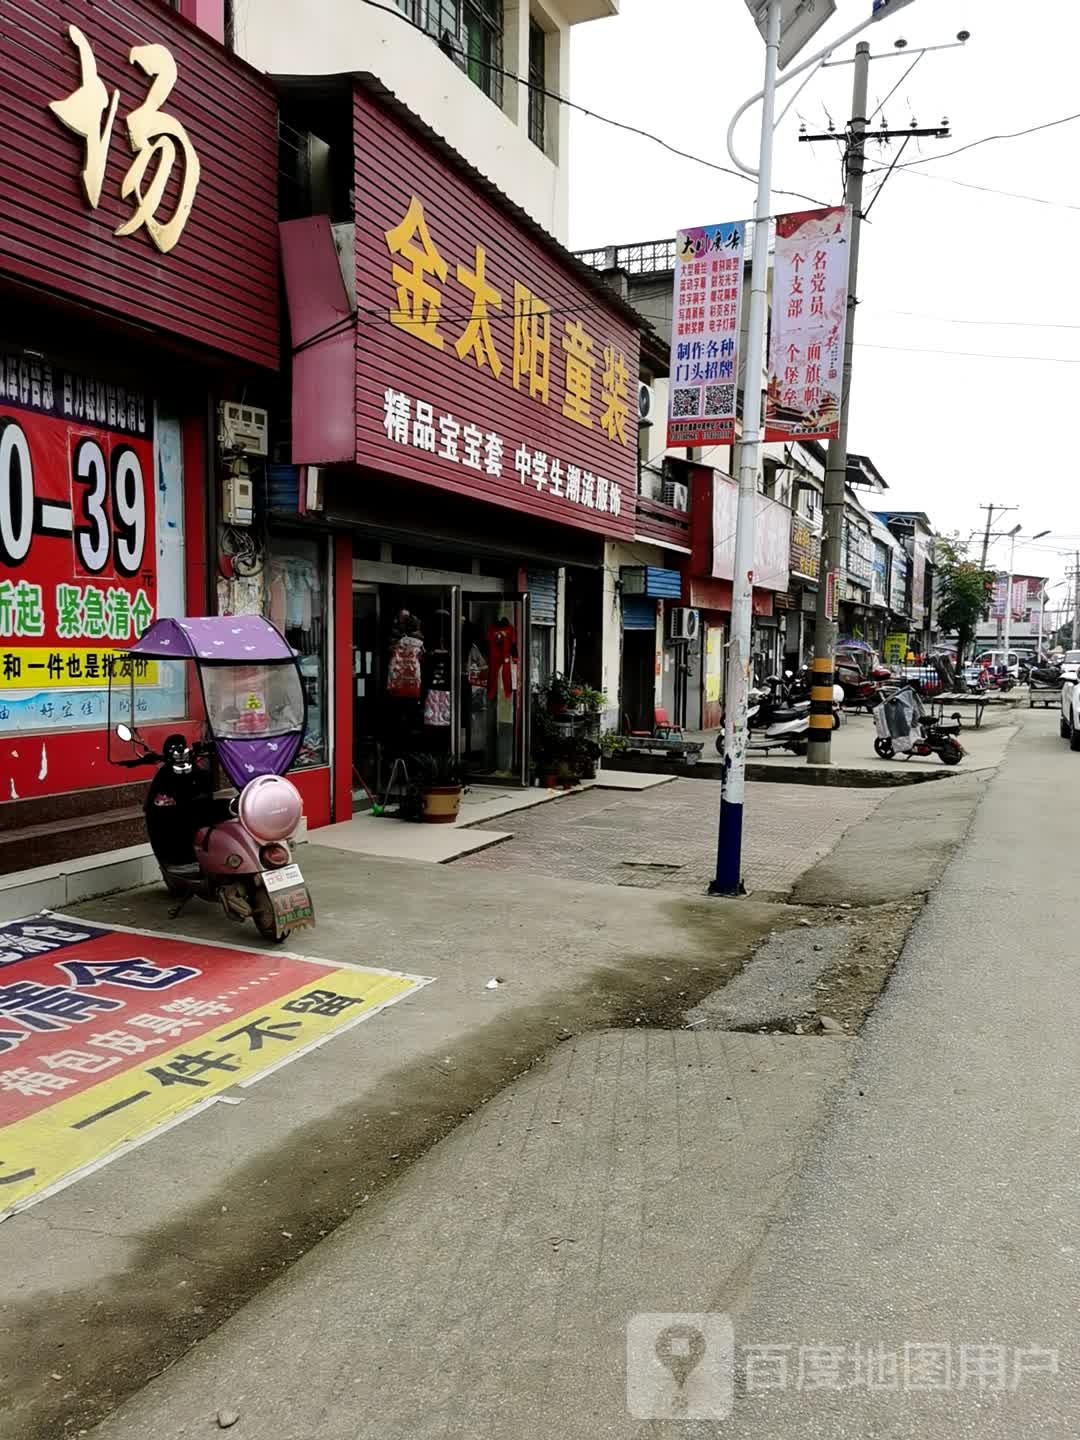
point(826, 621)
point(826, 628)
point(991, 511)
point(1073, 645)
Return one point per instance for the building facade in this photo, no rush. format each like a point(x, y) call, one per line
point(453, 64)
point(463, 449)
point(136, 150)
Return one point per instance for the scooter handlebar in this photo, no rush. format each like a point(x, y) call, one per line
point(148, 759)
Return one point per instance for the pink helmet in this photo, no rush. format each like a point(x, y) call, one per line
point(270, 807)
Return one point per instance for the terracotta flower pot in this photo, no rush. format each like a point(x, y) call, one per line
point(441, 804)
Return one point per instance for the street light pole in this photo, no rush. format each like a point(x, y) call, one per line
point(728, 878)
point(1008, 591)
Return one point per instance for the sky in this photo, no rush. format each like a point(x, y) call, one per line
point(972, 279)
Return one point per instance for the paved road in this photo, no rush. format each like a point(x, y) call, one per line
point(943, 1208)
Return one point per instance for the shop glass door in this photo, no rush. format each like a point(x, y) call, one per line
point(496, 688)
point(406, 664)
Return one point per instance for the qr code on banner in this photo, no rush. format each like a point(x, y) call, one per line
point(720, 400)
point(685, 404)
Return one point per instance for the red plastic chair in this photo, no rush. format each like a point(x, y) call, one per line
point(663, 729)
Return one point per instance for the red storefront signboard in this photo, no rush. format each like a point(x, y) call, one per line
point(140, 171)
point(78, 575)
point(485, 365)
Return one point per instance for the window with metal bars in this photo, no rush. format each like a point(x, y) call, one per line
point(470, 32)
point(482, 36)
point(537, 85)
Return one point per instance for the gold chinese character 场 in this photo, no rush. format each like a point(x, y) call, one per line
point(580, 363)
point(84, 113)
point(615, 396)
point(532, 343)
point(477, 340)
point(418, 298)
point(154, 137)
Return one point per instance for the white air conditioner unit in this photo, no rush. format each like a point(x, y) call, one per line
point(243, 428)
point(685, 624)
point(676, 495)
point(646, 404)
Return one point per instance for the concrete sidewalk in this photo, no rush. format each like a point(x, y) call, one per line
point(110, 1281)
point(113, 1278)
point(486, 1293)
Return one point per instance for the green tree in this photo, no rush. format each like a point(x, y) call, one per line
point(964, 589)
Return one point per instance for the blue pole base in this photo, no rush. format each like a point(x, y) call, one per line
point(728, 879)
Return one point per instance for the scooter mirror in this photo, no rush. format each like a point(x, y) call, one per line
point(125, 733)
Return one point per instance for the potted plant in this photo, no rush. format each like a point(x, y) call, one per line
point(586, 755)
point(592, 701)
point(435, 786)
point(562, 697)
point(611, 743)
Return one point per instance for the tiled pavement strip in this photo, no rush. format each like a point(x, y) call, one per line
point(667, 837)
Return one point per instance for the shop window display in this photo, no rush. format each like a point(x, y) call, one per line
point(297, 602)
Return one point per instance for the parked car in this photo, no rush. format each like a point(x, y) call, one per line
point(1070, 710)
point(1070, 664)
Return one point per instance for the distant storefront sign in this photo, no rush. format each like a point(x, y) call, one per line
point(705, 335)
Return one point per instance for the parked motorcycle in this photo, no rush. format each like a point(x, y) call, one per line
point(233, 851)
point(904, 729)
point(1047, 676)
point(787, 727)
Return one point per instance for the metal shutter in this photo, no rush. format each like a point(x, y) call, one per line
point(638, 613)
point(543, 588)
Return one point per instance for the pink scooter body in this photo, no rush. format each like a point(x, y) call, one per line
point(230, 850)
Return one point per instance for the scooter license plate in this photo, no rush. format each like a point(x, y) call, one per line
point(290, 897)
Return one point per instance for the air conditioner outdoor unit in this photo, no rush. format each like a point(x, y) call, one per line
point(685, 624)
point(243, 428)
point(646, 404)
point(676, 495)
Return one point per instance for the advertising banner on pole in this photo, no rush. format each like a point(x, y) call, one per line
point(1000, 597)
point(705, 335)
point(809, 320)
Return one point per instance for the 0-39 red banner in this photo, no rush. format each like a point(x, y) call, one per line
point(77, 544)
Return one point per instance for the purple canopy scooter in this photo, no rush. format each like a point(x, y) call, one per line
point(236, 850)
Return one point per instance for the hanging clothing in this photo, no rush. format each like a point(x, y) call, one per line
point(403, 679)
point(437, 699)
point(502, 653)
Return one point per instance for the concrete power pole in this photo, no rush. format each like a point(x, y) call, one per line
point(827, 615)
point(1073, 645)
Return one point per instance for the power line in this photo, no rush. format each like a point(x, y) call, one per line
point(959, 320)
point(988, 140)
point(988, 189)
point(584, 110)
point(969, 354)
